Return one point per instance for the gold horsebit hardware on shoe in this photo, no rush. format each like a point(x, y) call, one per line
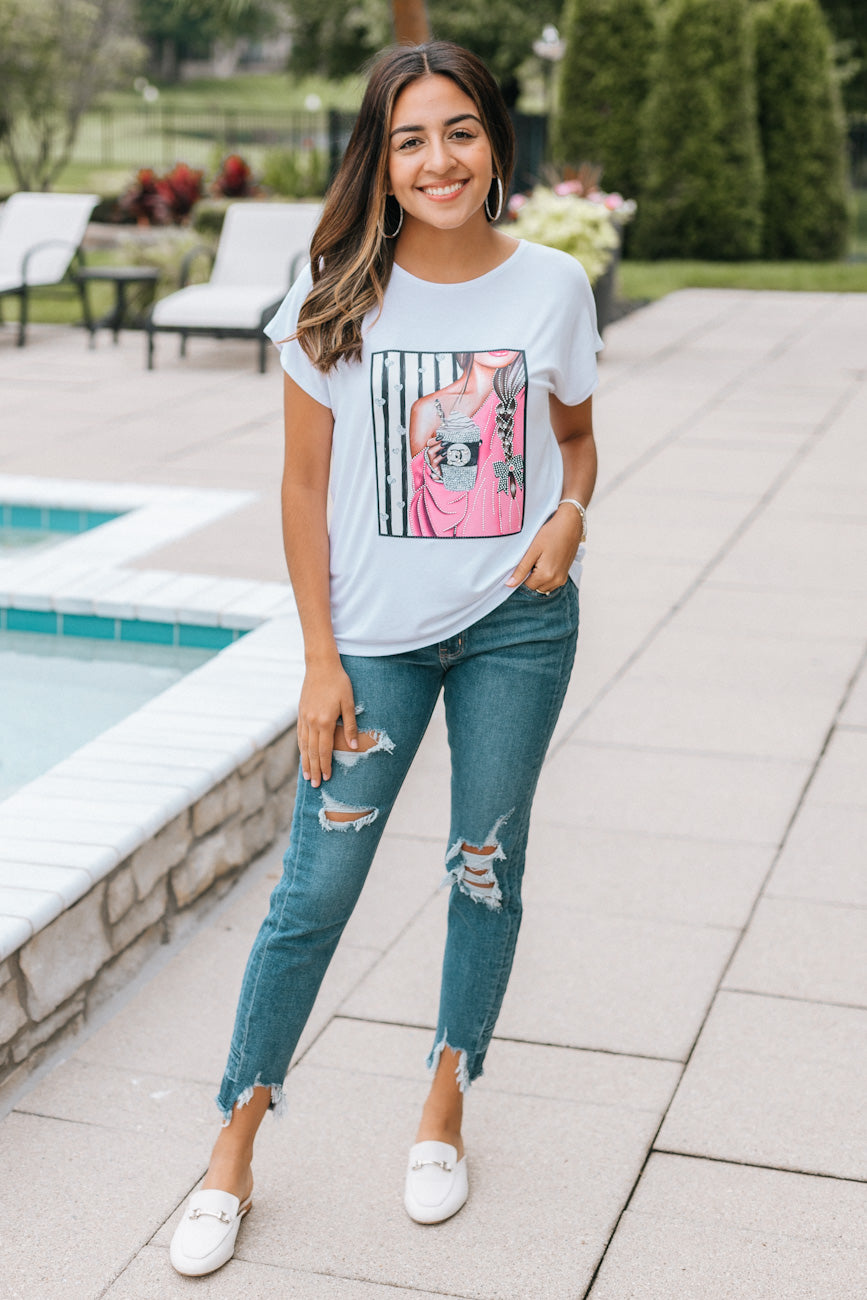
point(198, 1211)
point(441, 1164)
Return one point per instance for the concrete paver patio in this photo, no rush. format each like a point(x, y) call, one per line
point(673, 1106)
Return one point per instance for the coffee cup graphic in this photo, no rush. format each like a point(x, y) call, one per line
point(460, 437)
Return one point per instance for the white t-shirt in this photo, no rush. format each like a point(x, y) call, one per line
point(444, 462)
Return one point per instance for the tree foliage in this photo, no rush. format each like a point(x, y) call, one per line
point(501, 32)
point(339, 38)
point(847, 20)
point(702, 166)
point(604, 82)
point(55, 57)
point(803, 133)
point(177, 29)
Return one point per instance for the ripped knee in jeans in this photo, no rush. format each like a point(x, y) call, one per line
point(473, 872)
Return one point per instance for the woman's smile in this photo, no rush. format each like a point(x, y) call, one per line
point(444, 191)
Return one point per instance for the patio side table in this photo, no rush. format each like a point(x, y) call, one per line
point(141, 278)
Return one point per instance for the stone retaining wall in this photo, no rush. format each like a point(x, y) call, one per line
point(55, 981)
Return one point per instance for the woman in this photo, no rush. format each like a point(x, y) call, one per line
point(416, 312)
point(468, 463)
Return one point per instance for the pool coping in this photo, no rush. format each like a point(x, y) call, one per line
point(73, 825)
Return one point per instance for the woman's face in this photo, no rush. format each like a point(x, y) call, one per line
point(495, 360)
point(439, 158)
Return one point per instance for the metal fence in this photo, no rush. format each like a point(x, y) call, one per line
point(158, 137)
point(155, 136)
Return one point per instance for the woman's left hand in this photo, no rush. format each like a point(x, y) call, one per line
point(545, 564)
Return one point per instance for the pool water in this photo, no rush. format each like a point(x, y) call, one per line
point(58, 692)
point(15, 540)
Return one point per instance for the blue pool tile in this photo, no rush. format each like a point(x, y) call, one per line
point(64, 521)
point(25, 517)
point(139, 629)
point(102, 629)
point(93, 518)
point(205, 638)
point(31, 620)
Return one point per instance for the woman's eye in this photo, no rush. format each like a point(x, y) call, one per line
point(409, 144)
point(463, 135)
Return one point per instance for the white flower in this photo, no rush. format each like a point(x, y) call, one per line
point(578, 226)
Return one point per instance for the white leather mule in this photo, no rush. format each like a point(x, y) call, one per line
point(436, 1182)
point(204, 1239)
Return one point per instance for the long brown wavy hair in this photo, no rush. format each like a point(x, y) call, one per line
point(351, 256)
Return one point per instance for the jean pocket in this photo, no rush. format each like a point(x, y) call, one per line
point(547, 598)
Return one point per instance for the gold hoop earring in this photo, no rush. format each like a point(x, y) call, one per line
point(495, 216)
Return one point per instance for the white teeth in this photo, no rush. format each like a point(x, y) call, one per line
point(439, 190)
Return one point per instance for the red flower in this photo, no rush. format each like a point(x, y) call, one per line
point(235, 178)
point(181, 188)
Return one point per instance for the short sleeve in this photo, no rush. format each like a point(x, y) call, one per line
point(293, 358)
point(574, 373)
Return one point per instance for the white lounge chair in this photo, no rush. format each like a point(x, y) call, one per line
point(39, 236)
point(261, 248)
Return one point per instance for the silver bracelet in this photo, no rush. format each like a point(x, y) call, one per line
point(570, 501)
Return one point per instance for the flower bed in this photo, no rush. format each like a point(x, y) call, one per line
point(577, 217)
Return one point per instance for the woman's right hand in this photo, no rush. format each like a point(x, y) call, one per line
point(326, 696)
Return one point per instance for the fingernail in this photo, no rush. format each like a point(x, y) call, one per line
point(353, 744)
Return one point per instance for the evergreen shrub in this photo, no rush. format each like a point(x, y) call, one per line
point(702, 166)
point(604, 81)
point(803, 134)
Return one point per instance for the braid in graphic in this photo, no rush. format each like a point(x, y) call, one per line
point(508, 383)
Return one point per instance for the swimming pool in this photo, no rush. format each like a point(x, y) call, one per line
point(61, 691)
point(159, 801)
point(37, 527)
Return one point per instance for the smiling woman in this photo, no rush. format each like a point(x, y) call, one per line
point(452, 115)
point(438, 385)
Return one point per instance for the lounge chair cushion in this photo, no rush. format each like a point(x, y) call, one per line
point(27, 220)
point(209, 306)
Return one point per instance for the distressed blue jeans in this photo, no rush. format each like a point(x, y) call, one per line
point(503, 680)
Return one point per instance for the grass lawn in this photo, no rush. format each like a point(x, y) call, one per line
point(655, 279)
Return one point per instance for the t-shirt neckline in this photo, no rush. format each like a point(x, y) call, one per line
point(484, 278)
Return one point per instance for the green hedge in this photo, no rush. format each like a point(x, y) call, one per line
point(604, 81)
point(803, 133)
point(703, 175)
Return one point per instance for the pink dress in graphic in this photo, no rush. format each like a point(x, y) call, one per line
point(488, 509)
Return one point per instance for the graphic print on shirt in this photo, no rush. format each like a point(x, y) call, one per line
point(449, 434)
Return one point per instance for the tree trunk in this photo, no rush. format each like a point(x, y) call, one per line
point(168, 61)
point(411, 26)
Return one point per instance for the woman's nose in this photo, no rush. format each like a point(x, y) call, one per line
point(439, 156)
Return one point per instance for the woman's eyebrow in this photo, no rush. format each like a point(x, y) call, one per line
point(451, 121)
